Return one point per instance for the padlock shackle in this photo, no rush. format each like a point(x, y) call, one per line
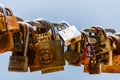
point(27, 38)
point(103, 31)
point(23, 26)
point(110, 30)
point(46, 26)
point(4, 12)
point(65, 24)
point(33, 35)
point(59, 26)
point(85, 36)
point(9, 12)
point(34, 23)
point(93, 29)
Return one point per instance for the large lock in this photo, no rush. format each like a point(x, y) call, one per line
point(11, 21)
point(50, 52)
point(20, 63)
point(39, 34)
point(70, 34)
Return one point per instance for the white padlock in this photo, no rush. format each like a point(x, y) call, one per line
point(70, 34)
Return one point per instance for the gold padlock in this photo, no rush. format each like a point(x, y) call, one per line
point(50, 52)
point(11, 21)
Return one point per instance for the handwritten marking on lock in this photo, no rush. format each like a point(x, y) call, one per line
point(70, 35)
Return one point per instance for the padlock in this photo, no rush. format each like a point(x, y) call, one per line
point(103, 52)
point(20, 63)
point(72, 54)
point(70, 34)
point(36, 33)
point(114, 68)
point(11, 21)
point(18, 38)
point(94, 67)
point(102, 45)
point(6, 42)
point(50, 52)
point(39, 34)
point(33, 61)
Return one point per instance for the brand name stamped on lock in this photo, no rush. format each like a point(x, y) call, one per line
point(43, 37)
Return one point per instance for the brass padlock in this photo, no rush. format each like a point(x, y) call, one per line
point(50, 52)
point(6, 42)
point(33, 62)
point(20, 63)
point(11, 21)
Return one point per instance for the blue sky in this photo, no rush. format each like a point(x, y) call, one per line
point(81, 13)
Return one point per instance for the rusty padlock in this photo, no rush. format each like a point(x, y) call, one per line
point(6, 37)
point(50, 52)
point(20, 63)
point(11, 21)
point(70, 34)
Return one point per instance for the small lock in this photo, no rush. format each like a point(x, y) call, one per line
point(94, 68)
point(70, 34)
point(6, 42)
point(12, 24)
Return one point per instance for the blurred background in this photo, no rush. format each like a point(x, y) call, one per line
point(81, 13)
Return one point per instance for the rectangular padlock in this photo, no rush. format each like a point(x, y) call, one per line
point(6, 42)
point(12, 24)
point(94, 68)
point(70, 34)
point(20, 63)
